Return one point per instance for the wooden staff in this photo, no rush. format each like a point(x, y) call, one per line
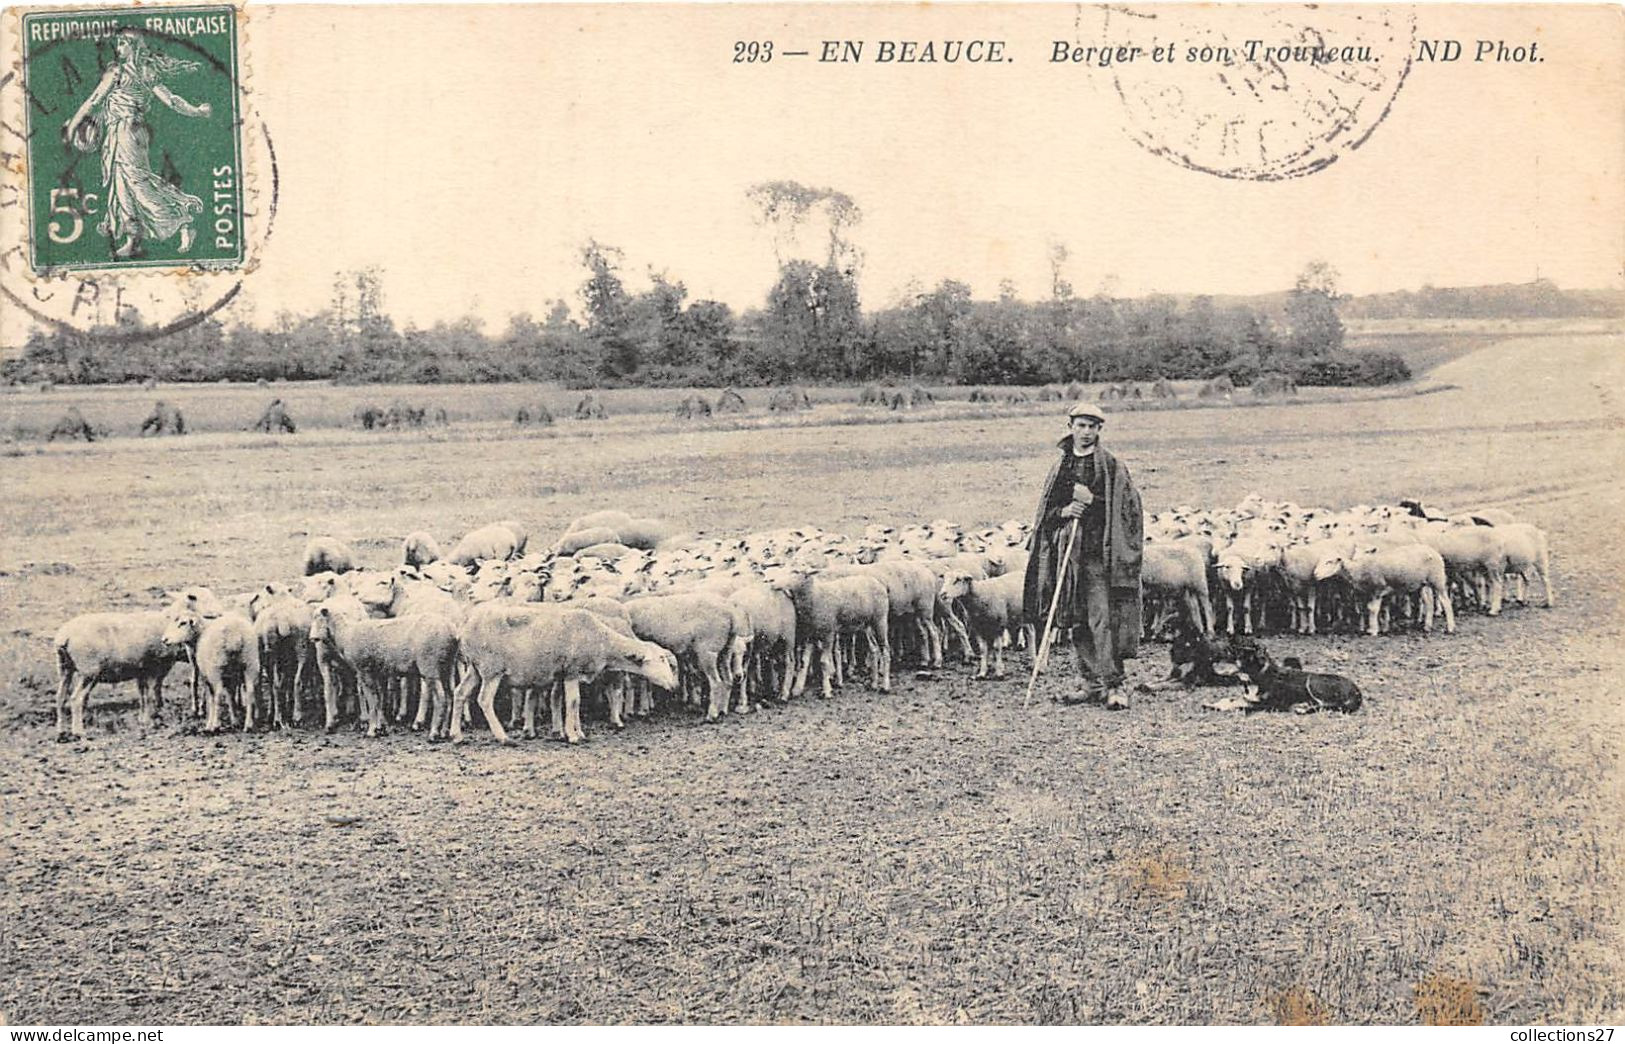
point(1049, 623)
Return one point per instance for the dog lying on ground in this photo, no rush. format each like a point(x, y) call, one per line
point(1280, 687)
point(1199, 660)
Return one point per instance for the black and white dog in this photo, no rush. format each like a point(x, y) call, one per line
point(1281, 687)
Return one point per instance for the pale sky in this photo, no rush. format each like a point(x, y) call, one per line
point(469, 151)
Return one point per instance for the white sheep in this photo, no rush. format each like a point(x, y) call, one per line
point(423, 646)
point(328, 555)
point(497, 541)
point(1528, 553)
point(576, 539)
point(826, 609)
point(1476, 556)
point(695, 627)
point(1241, 566)
point(992, 607)
point(1177, 573)
point(773, 638)
point(605, 519)
point(282, 629)
point(227, 653)
point(1376, 572)
point(532, 646)
point(110, 647)
point(419, 549)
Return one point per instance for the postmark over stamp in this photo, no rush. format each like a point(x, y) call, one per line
point(133, 138)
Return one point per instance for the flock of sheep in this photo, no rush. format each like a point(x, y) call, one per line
point(632, 607)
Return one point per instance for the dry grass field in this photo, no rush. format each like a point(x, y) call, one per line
point(938, 855)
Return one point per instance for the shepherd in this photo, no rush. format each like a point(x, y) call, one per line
point(1089, 536)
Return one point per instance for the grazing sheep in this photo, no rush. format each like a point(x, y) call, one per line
point(730, 401)
point(918, 396)
point(495, 542)
point(537, 415)
point(1163, 388)
point(574, 541)
point(992, 608)
point(608, 519)
point(589, 408)
point(110, 647)
point(1376, 572)
point(227, 653)
point(419, 549)
point(1219, 387)
point(1528, 553)
point(1016, 397)
point(163, 417)
point(328, 555)
point(72, 425)
point(422, 646)
point(872, 395)
point(647, 533)
point(275, 418)
point(982, 395)
point(533, 646)
point(694, 627)
point(1474, 556)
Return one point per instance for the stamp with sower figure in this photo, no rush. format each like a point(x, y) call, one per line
point(133, 138)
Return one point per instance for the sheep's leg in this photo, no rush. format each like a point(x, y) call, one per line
point(459, 701)
point(555, 711)
point(572, 711)
point(425, 693)
point(528, 698)
point(933, 641)
point(615, 698)
point(1373, 609)
point(1449, 616)
point(330, 695)
point(297, 698)
point(1544, 565)
point(516, 711)
point(1426, 598)
point(998, 657)
point(716, 692)
point(803, 658)
point(826, 664)
point(211, 720)
point(488, 707)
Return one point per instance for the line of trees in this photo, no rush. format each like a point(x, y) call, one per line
point(810, 327)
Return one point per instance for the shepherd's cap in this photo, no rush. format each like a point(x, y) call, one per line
point(1087, 409)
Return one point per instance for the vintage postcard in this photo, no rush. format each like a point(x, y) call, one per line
point(843, 514)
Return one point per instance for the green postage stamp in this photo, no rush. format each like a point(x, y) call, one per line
point(133, 138)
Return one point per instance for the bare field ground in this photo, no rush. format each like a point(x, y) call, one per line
point(940, 854)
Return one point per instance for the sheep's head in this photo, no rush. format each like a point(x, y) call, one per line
point(375, 592)
point(1233, 569)
point(955, 584)
point(1328, 567)
point(321, 624)
point(185, 624)
point(656, 664)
